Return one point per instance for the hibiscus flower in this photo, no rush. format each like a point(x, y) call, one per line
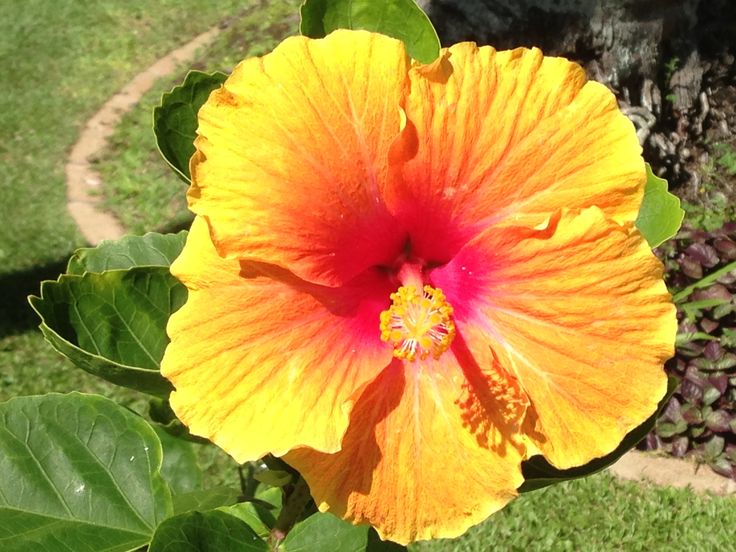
point(407, 279)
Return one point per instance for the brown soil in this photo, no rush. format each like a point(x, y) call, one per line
point(672, 472)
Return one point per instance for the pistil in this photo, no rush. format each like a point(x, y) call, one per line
point(419, 321)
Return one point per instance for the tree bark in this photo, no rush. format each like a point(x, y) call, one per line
point(670, 62)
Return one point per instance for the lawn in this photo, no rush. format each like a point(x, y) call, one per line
point(66, 58)
point(601, 514)
point(72, 55)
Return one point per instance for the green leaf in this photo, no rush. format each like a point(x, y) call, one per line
point(714, 447)
point(401, 19)
point(726, 362)
point(692, 309)
point(175, 120)
point(685, 338)
point(660, 215)
point(213, 531)
point(670, 429)
point(261, 515)
point(710, 395)
point(113, 324)
point(149, 250)
point(704, 282)
point(78, 472)
point(205, 499)
point(180, 469)
point(539, 473)
point(275, 478)
point(326, 533)
point(271, 497)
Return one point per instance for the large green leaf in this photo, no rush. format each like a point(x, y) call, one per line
point(401, 19)
point(149, 250)
point(175, 120)
point(539, 473)
point(113, 324)
point(213, 531)
point(326, 533)
point(660, 215)
point(78, 472)
point(180, 468)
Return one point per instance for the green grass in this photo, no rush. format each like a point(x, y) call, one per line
point(138, 185)
point(602, 514)
point(61, 59)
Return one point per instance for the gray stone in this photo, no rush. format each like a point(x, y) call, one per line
point(618, 41)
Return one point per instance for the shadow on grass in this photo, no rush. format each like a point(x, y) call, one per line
point(179, 223)
point(16, 315)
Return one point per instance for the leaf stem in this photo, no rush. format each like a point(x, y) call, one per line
point(294, 503)
point(248, 483)
point(704, 282)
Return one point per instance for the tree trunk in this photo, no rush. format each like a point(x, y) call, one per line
point(670, 62)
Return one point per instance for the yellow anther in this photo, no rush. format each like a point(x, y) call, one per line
point(418, 324)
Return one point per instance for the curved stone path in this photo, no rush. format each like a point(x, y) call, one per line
point(97, 225)
point(83, 182)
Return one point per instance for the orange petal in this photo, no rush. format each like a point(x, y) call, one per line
point(428, 453)
point(262, 364)
point(579, 313)
point(292, 156)
point(511, 134)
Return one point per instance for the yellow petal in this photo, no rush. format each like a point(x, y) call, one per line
point(292, 156)
point(428, 452)
point(580, 314)
point(263, 362)
point(509, 135)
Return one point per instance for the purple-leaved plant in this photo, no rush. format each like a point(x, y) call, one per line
point(700, 417)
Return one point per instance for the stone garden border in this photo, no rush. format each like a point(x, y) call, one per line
point(671, 472)
point(83, 182)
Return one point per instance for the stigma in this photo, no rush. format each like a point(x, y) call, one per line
point(418, 323)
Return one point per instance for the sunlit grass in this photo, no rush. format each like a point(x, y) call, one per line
point(60, 60)
point(601, 514)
